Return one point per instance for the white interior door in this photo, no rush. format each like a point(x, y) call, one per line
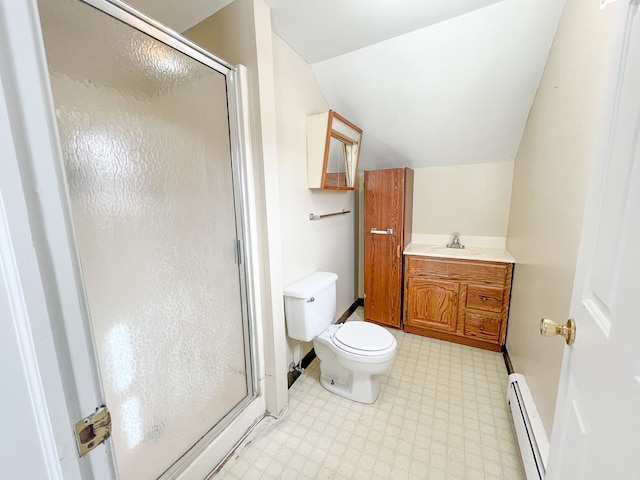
point(596, 431)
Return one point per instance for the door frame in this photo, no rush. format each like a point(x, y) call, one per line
point(40, 273)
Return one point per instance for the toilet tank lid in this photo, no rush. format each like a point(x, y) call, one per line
point(310, 285)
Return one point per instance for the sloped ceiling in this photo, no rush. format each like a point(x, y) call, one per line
point(456, 92)
point(439, 82)
point(319, 30)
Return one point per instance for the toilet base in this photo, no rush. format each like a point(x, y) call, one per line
point(347, 375)
point(359, 388)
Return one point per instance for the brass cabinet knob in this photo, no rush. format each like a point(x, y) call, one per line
point(549, 328)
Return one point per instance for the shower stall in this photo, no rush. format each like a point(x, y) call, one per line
point(150, 133)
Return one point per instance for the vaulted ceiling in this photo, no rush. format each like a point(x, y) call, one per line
point(437, 82)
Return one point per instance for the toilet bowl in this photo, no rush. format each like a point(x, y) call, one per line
point(353, 369)
point(353, 355)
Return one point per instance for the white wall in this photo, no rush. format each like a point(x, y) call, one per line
point(549, 189)
point(325, 244)
point(468, 199)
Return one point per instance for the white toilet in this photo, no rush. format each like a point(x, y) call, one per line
point(352, 355)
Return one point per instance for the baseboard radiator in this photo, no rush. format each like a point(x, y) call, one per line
point(532, 439)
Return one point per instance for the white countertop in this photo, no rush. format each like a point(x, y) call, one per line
point(468, 253)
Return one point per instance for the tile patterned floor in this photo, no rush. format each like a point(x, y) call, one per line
point(441, 414)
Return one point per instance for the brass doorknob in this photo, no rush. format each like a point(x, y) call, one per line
point(549, 328)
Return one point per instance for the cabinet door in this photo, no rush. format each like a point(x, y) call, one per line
point(432, 304)
point(383, 212)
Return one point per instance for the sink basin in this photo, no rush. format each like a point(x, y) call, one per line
point(455, 252)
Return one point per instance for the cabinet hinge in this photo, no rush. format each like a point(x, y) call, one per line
point(93, 430)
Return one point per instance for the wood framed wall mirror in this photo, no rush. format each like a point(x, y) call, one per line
point(333, 151)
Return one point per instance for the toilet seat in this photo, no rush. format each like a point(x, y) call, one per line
point(362, 338)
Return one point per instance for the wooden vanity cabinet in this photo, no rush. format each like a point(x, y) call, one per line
point(463, 301)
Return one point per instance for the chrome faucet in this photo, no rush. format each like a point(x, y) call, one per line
point(455, 243)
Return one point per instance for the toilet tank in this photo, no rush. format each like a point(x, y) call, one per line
point(310, 305)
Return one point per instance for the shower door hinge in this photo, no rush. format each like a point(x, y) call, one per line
point(93, 430)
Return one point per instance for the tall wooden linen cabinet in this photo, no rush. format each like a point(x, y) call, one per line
point(388, 205)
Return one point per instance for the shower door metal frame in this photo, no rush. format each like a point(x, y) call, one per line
point(240, 172)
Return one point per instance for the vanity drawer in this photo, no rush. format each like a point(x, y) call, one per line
point(485, 298)
point(484, 325)
point(461, 270)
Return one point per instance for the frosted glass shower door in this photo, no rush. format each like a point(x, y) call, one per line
point(153, 190)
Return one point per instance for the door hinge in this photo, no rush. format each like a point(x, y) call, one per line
point(93, 430)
